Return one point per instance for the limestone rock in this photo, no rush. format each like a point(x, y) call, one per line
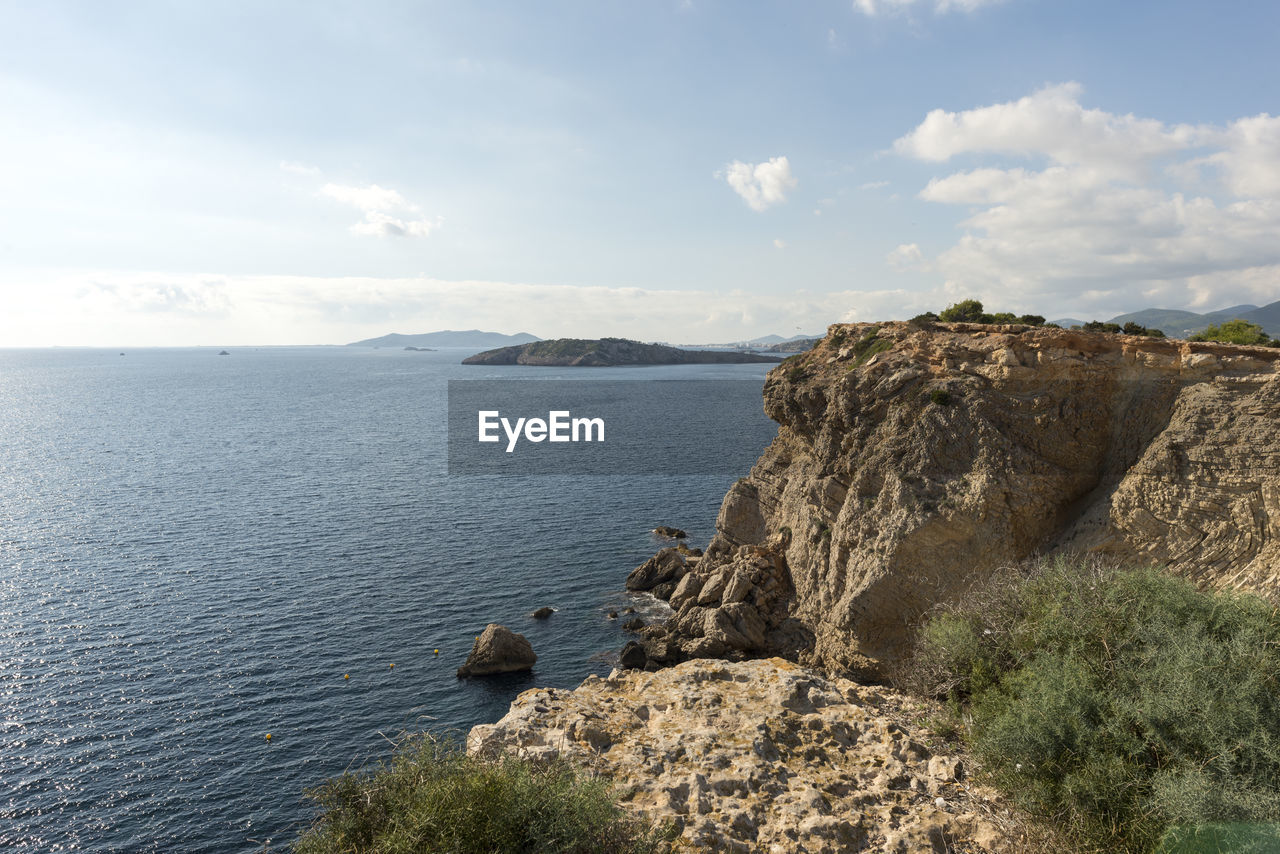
point(875, 503)
point(498, 650)
point(667, 566)
point(761, 755)
point(670, 532)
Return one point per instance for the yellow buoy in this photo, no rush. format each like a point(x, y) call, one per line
point(268, 736)
point(437, 652)
point(346, 676)
point(393, 667)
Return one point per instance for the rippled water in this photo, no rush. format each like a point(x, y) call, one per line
point(195, 550)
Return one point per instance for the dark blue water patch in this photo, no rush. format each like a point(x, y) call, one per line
point(195, 550)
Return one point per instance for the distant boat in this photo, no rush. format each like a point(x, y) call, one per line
point(223, 353)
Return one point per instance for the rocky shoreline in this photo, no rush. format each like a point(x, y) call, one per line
point(912, 460)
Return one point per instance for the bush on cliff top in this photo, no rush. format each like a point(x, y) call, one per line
point(1235, 332)
point(433, 797)
point(1122, 706)
point(971, 311)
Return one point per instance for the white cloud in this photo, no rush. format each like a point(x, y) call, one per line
point(779, 243)
point(907, 257)
point(378, 204)
point(1052, 123)
point(135, 309)
point(876, 7)
point(1097, 204)
point(873, 185)
point(763, 184)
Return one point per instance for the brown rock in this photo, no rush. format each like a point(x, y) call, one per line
point(498, 650)
point(667, 565)
point(880, 503)
point(756, 756)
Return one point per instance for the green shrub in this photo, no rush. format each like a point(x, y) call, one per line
point(1116, 704)
point(965, 311)
point(1131, 328)
point(1234, 332)
point(971, 311)
point(433, 797)
point(940, 396)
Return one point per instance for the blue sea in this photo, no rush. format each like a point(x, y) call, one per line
point(197, 550)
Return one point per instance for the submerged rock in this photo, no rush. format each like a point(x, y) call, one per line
point(498, 650)
point(670, 532)
point(543, 612)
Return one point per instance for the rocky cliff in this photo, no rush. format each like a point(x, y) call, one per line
point(911, 461)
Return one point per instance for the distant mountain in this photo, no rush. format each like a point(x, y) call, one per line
point(1171, 321)
point(1177, 323)
point(447, 338)
point(1067, 322)
point(606, 353)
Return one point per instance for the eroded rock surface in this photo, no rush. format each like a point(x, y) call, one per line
point(757, 756)
point(910, 462)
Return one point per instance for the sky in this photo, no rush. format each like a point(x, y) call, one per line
point(272, 172)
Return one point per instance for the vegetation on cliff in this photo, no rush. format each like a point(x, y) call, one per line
point(1130, 710)
point(1236, 332)
point(433, 797)
point(972, 311)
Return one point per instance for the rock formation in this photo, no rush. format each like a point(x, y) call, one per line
point(912, 461)
point(758, 756)
point(498, 650)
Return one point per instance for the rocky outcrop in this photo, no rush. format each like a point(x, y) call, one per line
point(605, 353)
point(758, 756)
point(912, 461)
point(735, 608)
point(498, 650)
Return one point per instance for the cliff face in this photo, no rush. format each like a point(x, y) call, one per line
point(911, 461)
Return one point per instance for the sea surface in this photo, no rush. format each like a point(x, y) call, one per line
point(197, 550)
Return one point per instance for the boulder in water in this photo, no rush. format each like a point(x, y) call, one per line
point(498, 650)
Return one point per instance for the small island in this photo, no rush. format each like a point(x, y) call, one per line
point(607, 353)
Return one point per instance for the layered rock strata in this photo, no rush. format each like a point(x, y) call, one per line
point(912, 461)
point(758, 756)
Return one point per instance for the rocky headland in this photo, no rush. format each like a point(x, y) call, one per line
point(606, 353)
point(911, 462)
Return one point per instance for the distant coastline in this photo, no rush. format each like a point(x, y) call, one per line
point(608, 353)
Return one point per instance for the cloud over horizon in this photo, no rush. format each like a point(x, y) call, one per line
point(141, 309)
point(1099, 203)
